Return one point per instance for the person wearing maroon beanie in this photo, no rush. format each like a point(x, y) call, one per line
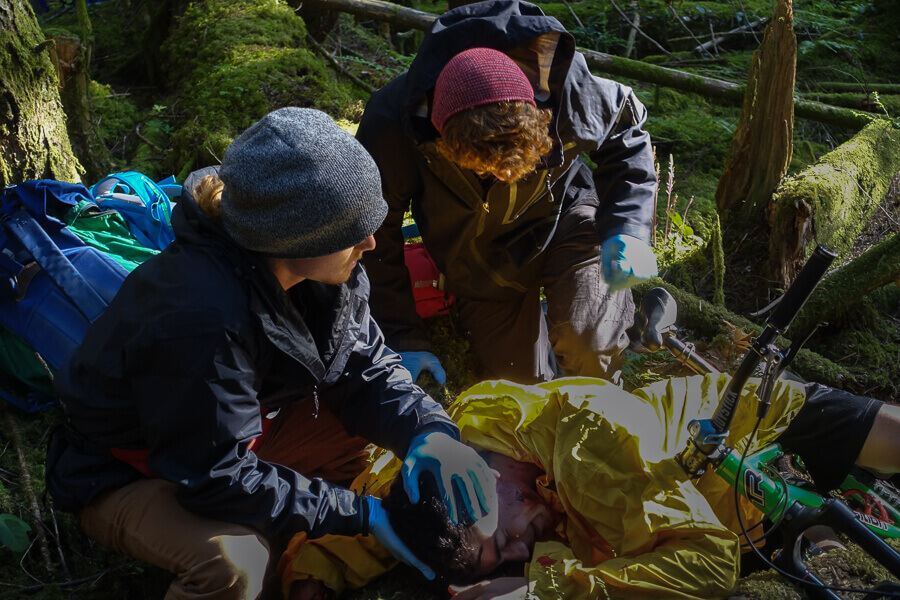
point(482, 139)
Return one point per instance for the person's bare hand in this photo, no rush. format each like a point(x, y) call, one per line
point(502, 588)
point(310, 589)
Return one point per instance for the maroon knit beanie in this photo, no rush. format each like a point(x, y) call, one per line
point(476, 77)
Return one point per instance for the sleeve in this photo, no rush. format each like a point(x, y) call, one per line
point(625, 175)
point(343, 562)
point(379, 402)
point(392, 303)
point(196, 389)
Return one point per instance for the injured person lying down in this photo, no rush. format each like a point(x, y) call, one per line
point(592, 503)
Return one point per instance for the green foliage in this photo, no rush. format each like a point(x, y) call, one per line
point(14, 533)
point(696, 133)
point(639, 369)
point(118, 116)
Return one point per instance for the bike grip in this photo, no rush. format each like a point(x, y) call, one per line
point(799, 291)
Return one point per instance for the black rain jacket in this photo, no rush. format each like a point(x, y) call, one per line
point(488, 240)
point(197, 342)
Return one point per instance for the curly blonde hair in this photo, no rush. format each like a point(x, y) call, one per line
point(208, 195)
point(502, 138)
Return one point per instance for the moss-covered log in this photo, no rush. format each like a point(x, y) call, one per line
point(233, 61)
point(849, 285)
point(724, 91)
point(762, 145)
point(399, 16)
point(889, 104)
point(864, 88)
point(33, 140)
point(707, 321)
point(830, 202)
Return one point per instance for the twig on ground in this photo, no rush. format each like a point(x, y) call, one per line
point(638, 29)
point(137, 132)
point(574, 16)
point(19, 589)
point(40, 534)
point(59, 548)
point(688, 29)
point(318, 47)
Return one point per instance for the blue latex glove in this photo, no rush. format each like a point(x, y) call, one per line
point(380, 527)
point(451, 462)
point(415, 362)
point(627, 261)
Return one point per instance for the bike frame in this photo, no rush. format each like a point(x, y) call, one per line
point(792, 508)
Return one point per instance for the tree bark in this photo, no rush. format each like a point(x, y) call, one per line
point(71, 58)
point(762, 145)
point(831, 201)
point(33, 139)
point(849, 285)
point(706, 321)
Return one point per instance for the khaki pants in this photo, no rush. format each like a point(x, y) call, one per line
point(215, 560)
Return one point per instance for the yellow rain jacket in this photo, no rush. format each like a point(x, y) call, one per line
point(634, 525)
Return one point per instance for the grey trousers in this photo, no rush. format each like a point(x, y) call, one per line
point(584, 329)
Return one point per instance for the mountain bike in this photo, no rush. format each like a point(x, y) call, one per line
point(864, 508)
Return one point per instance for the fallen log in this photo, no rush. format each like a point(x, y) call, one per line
point(718, 38)
point(830, 202)
point(840, 86)
point(706, 320)
point(849, 285)
point(889, 104)
point(726, 91)
point(399, 16)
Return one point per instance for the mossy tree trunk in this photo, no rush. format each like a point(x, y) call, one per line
point(761, 148)
point(71, 56)
point(33, 139)
point(830, 202)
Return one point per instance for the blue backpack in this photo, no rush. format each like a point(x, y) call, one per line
point(142, 202)
point(52, 284)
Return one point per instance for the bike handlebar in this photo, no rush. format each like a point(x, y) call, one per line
point(801, 288)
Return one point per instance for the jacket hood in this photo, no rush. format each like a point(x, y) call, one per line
point(539, 44)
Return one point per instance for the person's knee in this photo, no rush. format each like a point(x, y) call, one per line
point(881, 451)
point(234, 568)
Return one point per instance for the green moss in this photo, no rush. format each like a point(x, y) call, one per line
point(235, 61)
point(840, 191)
point(117, 118)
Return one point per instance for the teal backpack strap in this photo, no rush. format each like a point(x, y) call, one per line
point(143, 203)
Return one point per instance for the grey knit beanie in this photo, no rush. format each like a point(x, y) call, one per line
point(299, 186)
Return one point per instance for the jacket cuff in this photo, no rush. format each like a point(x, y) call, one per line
point(635, 231)
point(434, 426)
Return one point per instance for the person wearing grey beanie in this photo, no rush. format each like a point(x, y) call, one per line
point(237, 382)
